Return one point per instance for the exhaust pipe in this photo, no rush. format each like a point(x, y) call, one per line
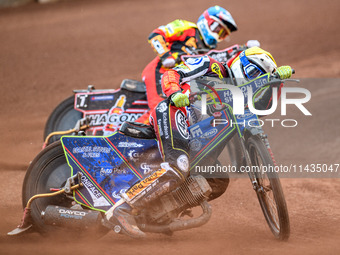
point(181, 224)
point(71, 218)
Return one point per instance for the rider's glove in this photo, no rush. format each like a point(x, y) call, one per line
point(169, 62)
point(179, 99)
point(253, 43)
point(284, 72)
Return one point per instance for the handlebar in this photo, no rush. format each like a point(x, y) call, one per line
point(275, 75)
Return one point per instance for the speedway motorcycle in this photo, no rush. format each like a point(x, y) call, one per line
point(103, 111)
point(71, 183)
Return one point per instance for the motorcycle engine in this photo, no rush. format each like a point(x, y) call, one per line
point(189, 194)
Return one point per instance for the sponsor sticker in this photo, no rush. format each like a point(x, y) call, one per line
point(101, 98)
point(244, 116)
point(148, 168)
point(181, 124)
point(183, 163)
point(162, 107)
point(210, 133)
point(71, 214)
point(195, 145)
point(216, 69)
point(220, 56)
point(149, 181)
point(105, 171)
point(91, 151)
point(194, 61)
point(117, 195)
point(196, 131)
point(133, 155)
point(129, 145)
point(97, 197)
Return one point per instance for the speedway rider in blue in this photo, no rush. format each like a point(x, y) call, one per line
point(169, 120)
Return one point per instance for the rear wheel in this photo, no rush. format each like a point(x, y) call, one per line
point(268, 189)
point(64, 117)
point(48, 170)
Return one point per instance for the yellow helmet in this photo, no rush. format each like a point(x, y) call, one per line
point(252, 63)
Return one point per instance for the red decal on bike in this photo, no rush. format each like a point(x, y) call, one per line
point(80, 195)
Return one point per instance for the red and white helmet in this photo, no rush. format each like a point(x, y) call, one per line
point(215, 24)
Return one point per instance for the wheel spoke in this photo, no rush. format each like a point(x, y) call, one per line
point(268, 189)
point(273, 210)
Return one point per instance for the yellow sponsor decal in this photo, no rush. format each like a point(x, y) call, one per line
point(139, 187)
point(216, 69)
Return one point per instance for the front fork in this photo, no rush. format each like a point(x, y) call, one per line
point(265, 141)
point(243, 140)
point(248, 162)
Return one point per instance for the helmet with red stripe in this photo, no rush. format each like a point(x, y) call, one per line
point(215, 24)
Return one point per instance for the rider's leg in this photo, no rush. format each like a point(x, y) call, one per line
point(171, 128)
point(152, 78)
point(172, 133)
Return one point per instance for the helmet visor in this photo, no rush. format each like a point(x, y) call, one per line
point(252, 71)
point(217, 26)
point(220, 30)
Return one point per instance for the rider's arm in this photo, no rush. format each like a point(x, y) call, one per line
point(175, 79)
point(171, 82)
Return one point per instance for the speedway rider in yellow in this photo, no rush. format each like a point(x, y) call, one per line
point(182, 37)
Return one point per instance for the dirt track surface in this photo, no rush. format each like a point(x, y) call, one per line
point(49, 50)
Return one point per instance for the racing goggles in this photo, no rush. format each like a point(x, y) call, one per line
point(217, 27)
point(250, 70)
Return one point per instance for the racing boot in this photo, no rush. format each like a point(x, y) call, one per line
point(139, 195)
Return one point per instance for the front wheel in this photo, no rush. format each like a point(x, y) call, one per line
point(49, 170)
point(268, 189)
